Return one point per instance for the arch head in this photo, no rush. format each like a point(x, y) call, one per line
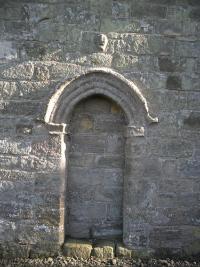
point(100, 81)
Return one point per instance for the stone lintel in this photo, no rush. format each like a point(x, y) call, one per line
point(55, 128)
point(134, 131)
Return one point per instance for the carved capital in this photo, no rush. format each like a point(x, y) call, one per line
point(55, 128)
point(134, 131)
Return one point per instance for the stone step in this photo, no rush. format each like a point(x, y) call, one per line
point(103, 249)
point(77, 249)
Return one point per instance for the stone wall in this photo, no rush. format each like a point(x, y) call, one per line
point(156, 45)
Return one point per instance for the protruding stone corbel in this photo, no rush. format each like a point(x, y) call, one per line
point(55, 128)
point(134, 131)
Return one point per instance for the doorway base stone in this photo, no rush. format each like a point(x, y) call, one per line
point(77, 249)
point(102, 249)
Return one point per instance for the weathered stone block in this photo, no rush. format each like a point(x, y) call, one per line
point(77, 249)
point(195, 14)
point(139, 10)
point(23, 71)
point(7, 51)
point(49, 146)
point(137, 148)
point(47, 182)
point(192, 101)
point(108, 194)
point(189, 168)
point(94, 59)
point(48, 29)
point(9, 162)
point(177, 148)
point(193, 248)
point(86, 124)
point(108, 161)
point(7, 230)
point(166, 64)
point(136, 235)
point(112, 126)
point(139, 44)
point(191, 83)
point(25, 108)
point(121, 61)
point(16, 176)
point(108, 177)
point(122, 251)
point(193, 120)
point(107, 231)
point(7, 89)
point(177, 200)
point(7, 10)
point(34, 233)
point(13, 250)
point(87, 143)
point(135, 25)
point(77, 160)
point(33, 51)
point(104, 249)
point(187, 48)
point(55, 200)
point(78, 230)
point(17, 28)
point(85, 211)
point(49, 216)
point(182, 186)
point(115, 144)
point(44, 250)
point(171, 235)
point(149, 167)
point(15, 211)
point(39, 164)
point(169, 167)
point(174, 216)
point(120, 10)
point(174, 83)
point(41, 73)
point(76, 176)
point(59, 70)
point(15, 147)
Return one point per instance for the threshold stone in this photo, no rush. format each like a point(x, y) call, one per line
point(77, 249)
point(104, 249)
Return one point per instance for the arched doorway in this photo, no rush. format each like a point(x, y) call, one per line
point(113, 86)
point(94, 193)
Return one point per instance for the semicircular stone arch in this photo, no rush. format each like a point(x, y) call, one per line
point(114, 87)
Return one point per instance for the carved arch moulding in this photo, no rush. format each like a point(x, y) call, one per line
point(107, 83)
point(99, 81)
